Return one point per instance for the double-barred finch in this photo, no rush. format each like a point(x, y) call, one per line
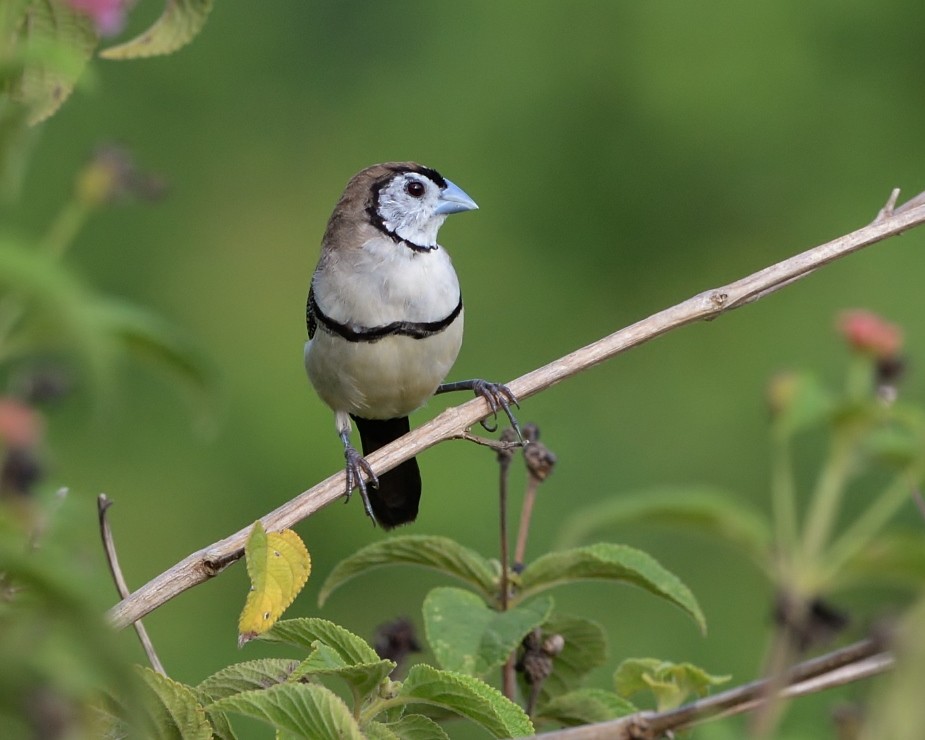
point(385, 322)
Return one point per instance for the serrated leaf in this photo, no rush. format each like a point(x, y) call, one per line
point(296, 710)
point(469, 637)
point(672, 683)
point(468, 697)
point(55, 44)
point(701, 509)
point(251, 674)
point(409, 727)
point(584, 650)
point(379, 731)
point(176, 709)
point(609, 562)
point(362, 678)
point(278, 565)
point(437, 553)
point(305, 631)
point(221, 727)
point(180, 23)
point(584, 707)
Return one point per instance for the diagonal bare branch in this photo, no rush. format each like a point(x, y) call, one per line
point(207, 562)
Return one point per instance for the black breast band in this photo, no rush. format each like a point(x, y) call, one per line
point(413, 329)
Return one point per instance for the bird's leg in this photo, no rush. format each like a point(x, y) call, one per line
point(356, 466)
point(496, 395)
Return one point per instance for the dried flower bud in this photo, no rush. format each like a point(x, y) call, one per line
point(112, 174)
point(509, 436)
point(869, 334)
point(19, 472)
point(553, 645)
point(396, 640)
point(809, 624)
point(540, 461)
point(40, 385)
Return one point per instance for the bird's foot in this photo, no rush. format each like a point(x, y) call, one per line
point(359, 475)
point(496, 395)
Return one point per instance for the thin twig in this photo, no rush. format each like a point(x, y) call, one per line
point(209, 561)
point(498, 445)
point(102, 506)
point(526, 514)
point(852, 663)
point(505, 455)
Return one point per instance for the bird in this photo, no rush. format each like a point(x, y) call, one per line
point(385, 323)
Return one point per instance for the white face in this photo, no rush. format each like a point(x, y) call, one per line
point(408, 207)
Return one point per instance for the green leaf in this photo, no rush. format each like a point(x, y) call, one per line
point(61, 308)
point(305, 631)
point(16, 142)
point(605, 561)
point(585, 649)
point(326, 661)
point(147, 335)
point(897, 557)
point(56, 42)
point(894, 446)
point(701, 509)
point(409, 727)
point(180, 23)
point(299, 710)
point(672, 683)
point(584, 707)
point(176, 710)
point(468, 697)
point(252, 674)
point(437, 553)
point(379, 731)
point(469, 637)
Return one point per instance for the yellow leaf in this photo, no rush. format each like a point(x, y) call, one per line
point(278, 565)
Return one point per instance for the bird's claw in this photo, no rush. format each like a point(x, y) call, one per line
point(359, 472)
point(498, 396)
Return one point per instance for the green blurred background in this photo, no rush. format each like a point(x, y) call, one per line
point(624, 156)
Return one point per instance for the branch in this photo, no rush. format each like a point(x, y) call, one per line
point(209, 561)
point(109, 546)
point(852, 663)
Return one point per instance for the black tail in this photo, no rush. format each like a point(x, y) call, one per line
point(396, 500)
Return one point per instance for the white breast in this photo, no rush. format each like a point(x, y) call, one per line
point(384, 282)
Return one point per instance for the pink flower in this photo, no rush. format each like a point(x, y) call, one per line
point(107, 15)
point(868, 333)
point(21, 427)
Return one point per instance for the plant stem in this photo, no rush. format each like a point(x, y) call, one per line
point(826, 499)
point(783, 502)
point(863, 529)
point(508, 678)
point(526, 514)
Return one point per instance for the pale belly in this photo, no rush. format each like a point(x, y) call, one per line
point(380, 380)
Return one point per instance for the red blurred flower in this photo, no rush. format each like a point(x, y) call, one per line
point(21, 426)
point(868, 333)
point(107, 15)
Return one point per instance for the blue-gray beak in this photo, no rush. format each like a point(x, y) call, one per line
point(454, 200)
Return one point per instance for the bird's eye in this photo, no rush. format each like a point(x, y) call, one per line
point(415, 189)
